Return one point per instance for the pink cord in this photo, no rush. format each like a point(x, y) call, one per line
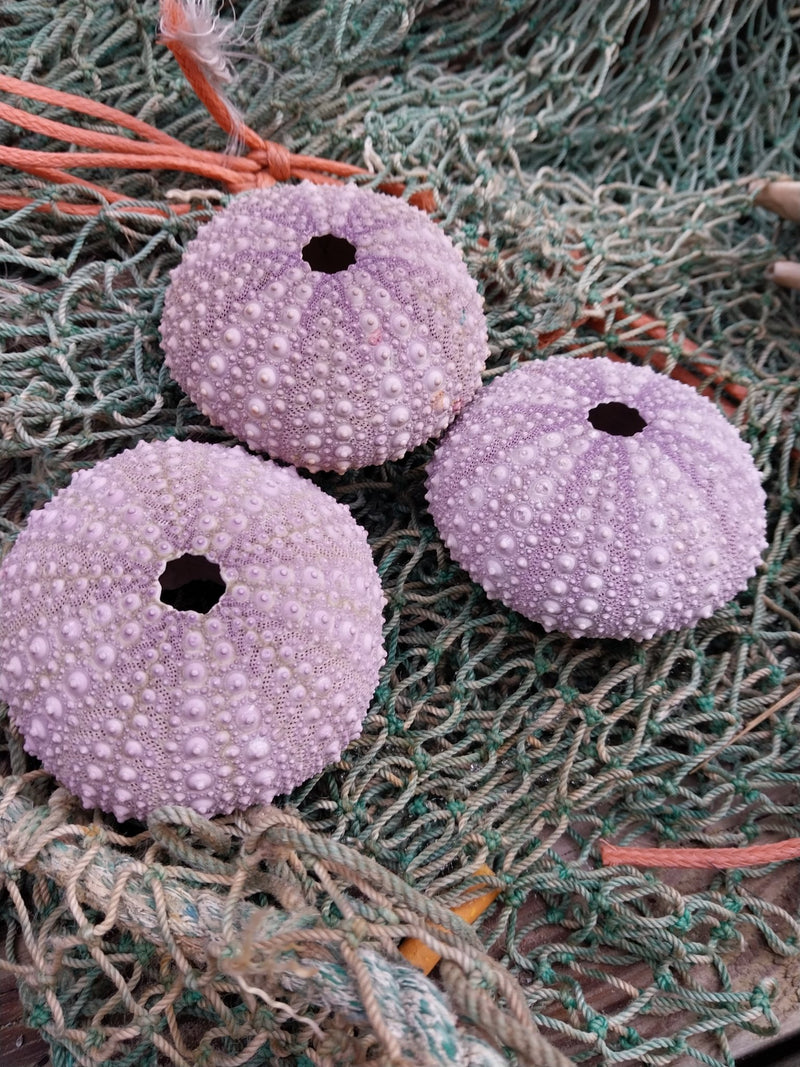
point(700, 858)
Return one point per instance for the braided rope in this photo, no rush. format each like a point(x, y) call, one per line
point(270, 951)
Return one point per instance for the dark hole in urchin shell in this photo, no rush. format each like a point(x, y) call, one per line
point(617, 419)
point(329, 254)
point(191, 583)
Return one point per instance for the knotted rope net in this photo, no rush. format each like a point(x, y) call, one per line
point(595, 164)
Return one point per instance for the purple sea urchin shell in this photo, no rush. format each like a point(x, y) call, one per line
point(599, 498)
point(329, 326)
point(132, 702)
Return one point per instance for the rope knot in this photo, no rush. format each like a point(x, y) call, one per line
point(275, 164)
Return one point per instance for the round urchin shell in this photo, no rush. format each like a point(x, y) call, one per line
point(599, 498)
point(133, 702)
point(329, 326)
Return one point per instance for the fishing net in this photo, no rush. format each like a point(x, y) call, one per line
point(581, 155)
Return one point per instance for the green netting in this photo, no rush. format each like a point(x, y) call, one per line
point(580, 153)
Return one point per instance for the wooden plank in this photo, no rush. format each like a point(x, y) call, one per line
point(19, 1045)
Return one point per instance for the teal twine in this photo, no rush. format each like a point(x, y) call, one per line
point(413, 1009)
point(265, 949)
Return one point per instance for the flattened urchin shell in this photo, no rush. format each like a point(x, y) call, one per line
point(132, 703)
point(345, 363)
point(645, 524)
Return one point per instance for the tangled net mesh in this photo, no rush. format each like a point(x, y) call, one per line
point(580, 154)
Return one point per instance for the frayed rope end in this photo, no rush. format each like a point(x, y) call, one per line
point(194, 34)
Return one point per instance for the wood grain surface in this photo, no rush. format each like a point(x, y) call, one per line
point(19, 1045)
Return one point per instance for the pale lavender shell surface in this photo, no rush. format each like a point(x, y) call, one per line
point(132, 703)
point(587, 531)
point(328, 371)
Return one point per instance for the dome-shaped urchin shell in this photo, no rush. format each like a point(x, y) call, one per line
point(599, 498)
point(329, 326)
point(132, 702)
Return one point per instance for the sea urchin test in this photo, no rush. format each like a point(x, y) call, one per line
point(188, 624)
point(599, 498)
point(329, 326)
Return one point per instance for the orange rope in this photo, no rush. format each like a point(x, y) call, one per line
point(266, 163)
point(173, 20)
point(84, 105)
point(701, 858)
point(11, 202)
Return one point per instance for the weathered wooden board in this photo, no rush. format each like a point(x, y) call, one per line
point(19, 1045)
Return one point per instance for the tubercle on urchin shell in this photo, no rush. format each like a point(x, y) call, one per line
point(626, 549)
point(335, 370)
point(246, 700)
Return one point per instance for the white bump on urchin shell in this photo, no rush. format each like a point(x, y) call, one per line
point(589, 532)
point(325, 371)
point(132, 703)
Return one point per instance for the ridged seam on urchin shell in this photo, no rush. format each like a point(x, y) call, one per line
point(591, 532)
point(328, 371)
point(132, 703)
